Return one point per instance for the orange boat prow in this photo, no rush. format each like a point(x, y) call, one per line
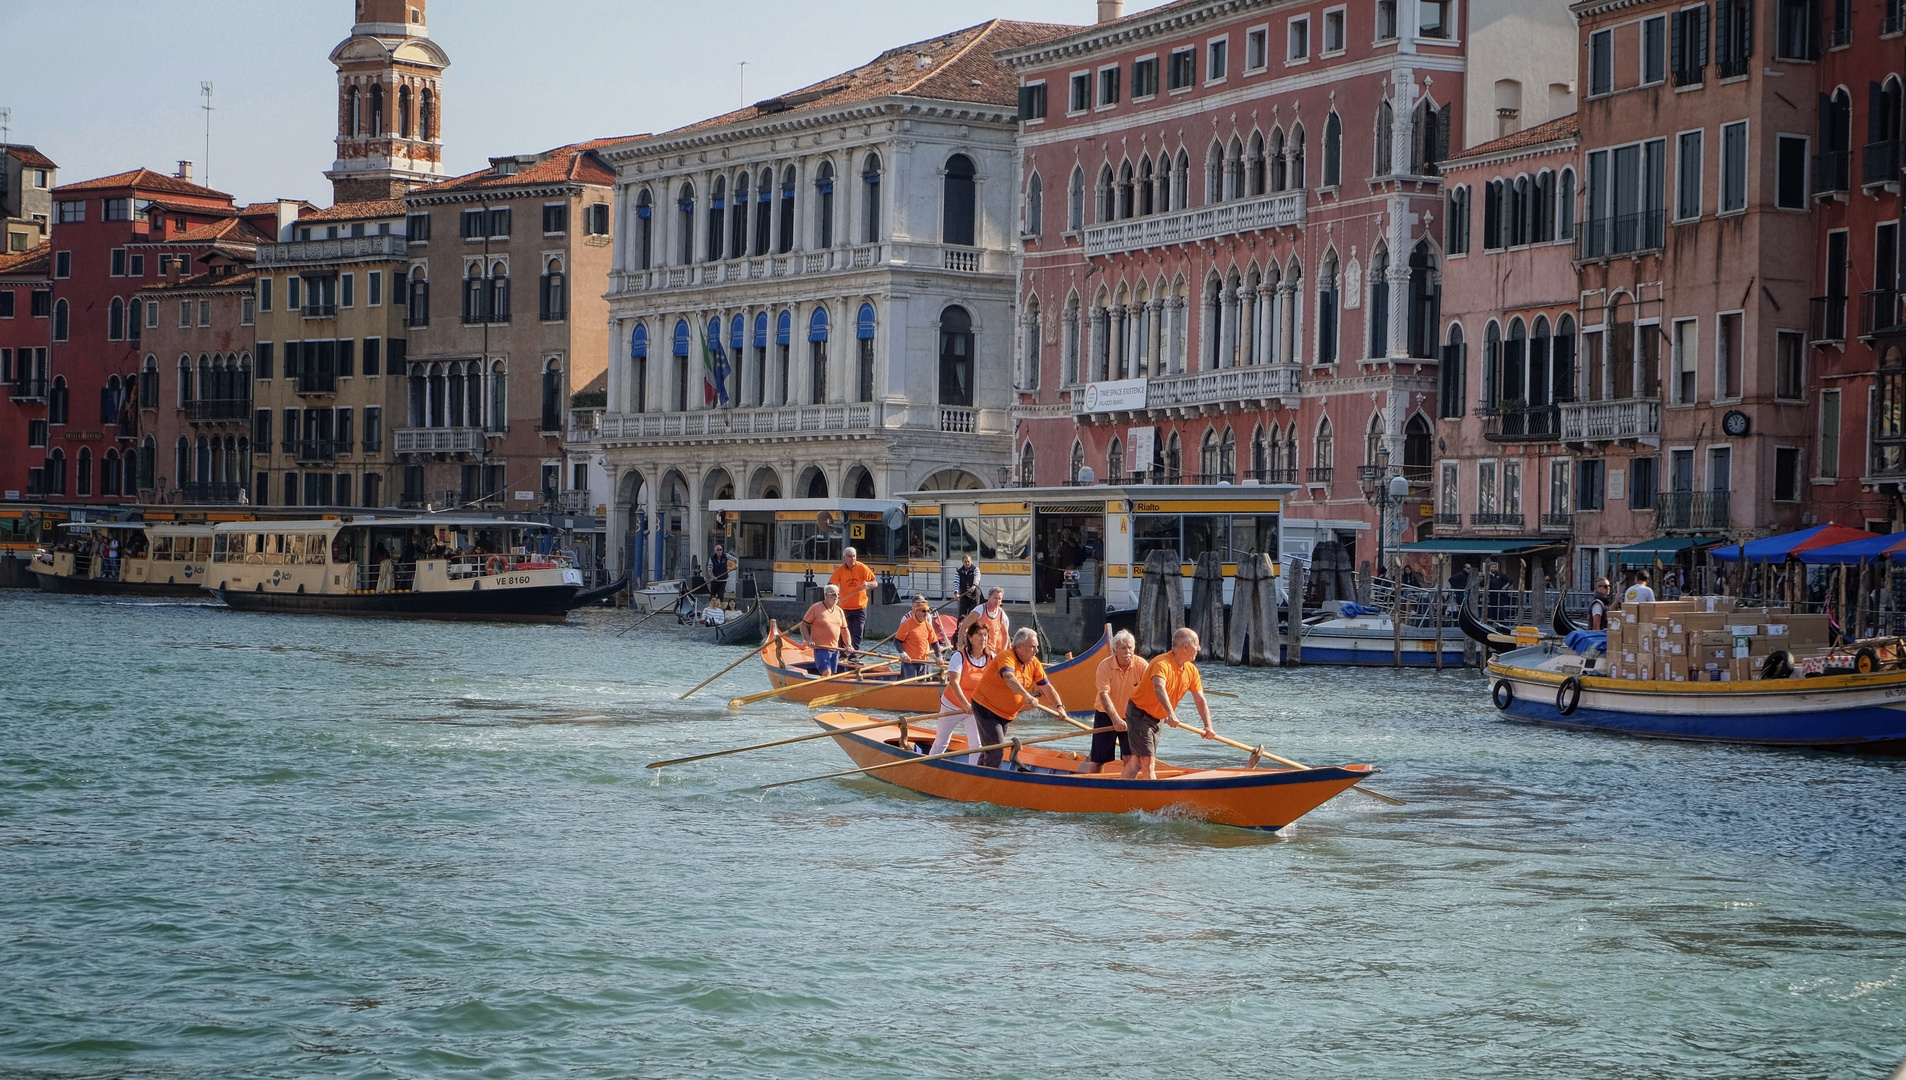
point(787, 663)
point(1248, 798)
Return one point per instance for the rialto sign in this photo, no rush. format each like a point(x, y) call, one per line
point(1123, 395)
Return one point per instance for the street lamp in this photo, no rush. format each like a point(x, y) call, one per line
point(1383, 489)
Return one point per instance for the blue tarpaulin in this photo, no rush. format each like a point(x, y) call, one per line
point(1858, 551)
point(1587, 641)
point(1778, 548)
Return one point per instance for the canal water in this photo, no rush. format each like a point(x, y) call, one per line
point(258, 846)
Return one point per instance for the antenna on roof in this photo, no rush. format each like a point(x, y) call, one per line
point(744, 84)
point(6, 124)
point(205, 91)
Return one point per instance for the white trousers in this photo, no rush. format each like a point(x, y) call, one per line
point(948, 723)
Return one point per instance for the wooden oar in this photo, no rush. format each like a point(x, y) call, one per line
point(835, 699)
point(752, 653)
point(938, 757)
point(795, 739)
point(750, 699)
point(672, 607)
point(1378, 795)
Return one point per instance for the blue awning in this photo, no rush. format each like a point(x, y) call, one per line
point(783, 328)
point(864, 328)
point(817, 326)
point(1778, 548)
point(681, 337)
point(1858, 551)
point(639, 341)
point(761, 330)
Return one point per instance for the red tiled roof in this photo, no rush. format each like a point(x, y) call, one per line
point(145, 180)
point(357, 211)
point(1562, 127)
point(577, 162)
point(28, 156)
point(953, 67)
point(35, 261)
point(231, 229)
point(257, 208)
point(207, 280)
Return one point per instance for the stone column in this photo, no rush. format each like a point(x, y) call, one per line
point(1399, 277)
point(1115, 342)
point(1246, 324)
point(1177, 307)
point(1155, 327)
point(1267, 321)
point(1287, 324)
point(1094, 369)
point(1069, 349)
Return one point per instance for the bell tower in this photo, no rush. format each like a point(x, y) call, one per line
point(390, 104)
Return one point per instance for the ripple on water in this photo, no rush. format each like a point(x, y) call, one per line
point(309, 847)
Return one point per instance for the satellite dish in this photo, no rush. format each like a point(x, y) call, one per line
point(825, 519)
point(1087, 477)
point(895, 517)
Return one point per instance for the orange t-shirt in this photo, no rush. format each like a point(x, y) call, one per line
point(1180, 679)
point(826, 627)
point(1119, 685)
point(997, 694)
point(853, 582)
point(967, 673)
point(917, 636)
point(995, 628)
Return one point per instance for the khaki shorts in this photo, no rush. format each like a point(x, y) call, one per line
point(1141, 731)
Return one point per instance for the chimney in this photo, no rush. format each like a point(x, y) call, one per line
point(1111, 10)
point(185, 167)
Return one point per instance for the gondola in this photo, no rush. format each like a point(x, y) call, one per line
point(1481, 633)
point(1044, 777)
point(742, 628)
point(1559, 621)
point(597, 596)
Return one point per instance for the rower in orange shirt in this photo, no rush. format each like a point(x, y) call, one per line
point(856, 581)
point(919, 639)
point(1167, 681)
point(825, 629)
point(1013, 681)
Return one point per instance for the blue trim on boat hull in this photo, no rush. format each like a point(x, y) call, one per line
point(1373, 656)
point(1873, 728)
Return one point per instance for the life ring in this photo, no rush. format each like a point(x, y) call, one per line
point(1504, 694)
point(1568, 696)
point(1776, 666)
point(1866, 661)
point(494, 565)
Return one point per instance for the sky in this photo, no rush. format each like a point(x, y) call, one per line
point(106, 86)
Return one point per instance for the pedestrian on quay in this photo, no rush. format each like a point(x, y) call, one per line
point(856, 581)
point(963, 674)
point(992, 615)
point(919, 639)
point(1169, 678)
point(1013, 681)
point(1598, 604)
point(966, 585)
point(1639, 592)
point(1119, 677)
point(825, 629)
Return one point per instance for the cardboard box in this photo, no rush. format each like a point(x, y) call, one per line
point(1703, 622)
point(1808, 629)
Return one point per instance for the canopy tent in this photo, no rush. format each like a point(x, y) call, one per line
point(1859, 551)
point(1468, 546)
point(1662, 549)
point(1780, 548)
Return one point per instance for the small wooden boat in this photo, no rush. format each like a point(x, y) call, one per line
point(1046, 778)
point(789, 662)
point(1549, 684)
point(741, 627)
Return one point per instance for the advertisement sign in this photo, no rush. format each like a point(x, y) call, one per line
point(1121, 395)
point(1144, 443)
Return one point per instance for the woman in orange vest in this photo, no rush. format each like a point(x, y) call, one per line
point(963, 674)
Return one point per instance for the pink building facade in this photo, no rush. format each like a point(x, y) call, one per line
point(1232, 252)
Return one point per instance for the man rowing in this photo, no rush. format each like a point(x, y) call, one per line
point(1015, 680)
point(1169, 678)
point(919, 639)
point(825, 628)
point(991, 615)
point(1119, 677)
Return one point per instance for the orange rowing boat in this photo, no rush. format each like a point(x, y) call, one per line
point(1050, 779)
point(789, 663)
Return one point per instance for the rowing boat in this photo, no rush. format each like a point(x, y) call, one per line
point(789, 662)
point(1046, 778)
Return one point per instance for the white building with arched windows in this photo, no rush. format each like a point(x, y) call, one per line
point(812, 297)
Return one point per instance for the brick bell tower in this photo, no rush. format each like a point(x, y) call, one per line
point(390, 104)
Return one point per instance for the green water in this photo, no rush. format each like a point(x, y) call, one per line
point(258, 846)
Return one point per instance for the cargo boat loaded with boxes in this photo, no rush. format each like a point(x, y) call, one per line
point(1711, 670)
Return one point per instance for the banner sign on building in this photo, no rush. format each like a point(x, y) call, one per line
point(1124, 395)
point(1144, 444)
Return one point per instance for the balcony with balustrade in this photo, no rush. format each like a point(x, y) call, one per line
point(894, 255)
point(1692, 511)
point(439, 440)
point(584, 426)
point(219, 411)
point(303, 252)
point(1517, 423)
point(1279, 210)
point(1195, 389)
point(1497, 520)
point(1558, 522)
point(1611, 421)
point(1879, 165)
point(28, 389)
